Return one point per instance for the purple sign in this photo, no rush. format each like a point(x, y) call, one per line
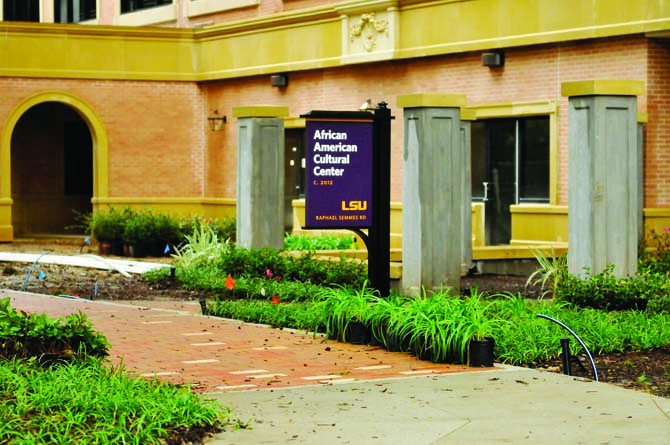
point(339, 173)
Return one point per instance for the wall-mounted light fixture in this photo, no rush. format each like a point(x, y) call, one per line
point(493, 59)
point(216, 121)
point(279, 80)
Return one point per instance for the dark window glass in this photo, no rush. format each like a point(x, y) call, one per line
point(21, 10)
point(507, 153)
point(136, 5)
point(74, 11)
point(534, 159)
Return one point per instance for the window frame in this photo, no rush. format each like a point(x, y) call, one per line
point(37, 3)
point(82, 18)
point(529, 109)
point(158, 4)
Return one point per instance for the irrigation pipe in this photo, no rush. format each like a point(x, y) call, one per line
point(593, 364)
point(30, 270)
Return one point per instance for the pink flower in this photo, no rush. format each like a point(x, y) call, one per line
point(666, 230)
point(268, 273)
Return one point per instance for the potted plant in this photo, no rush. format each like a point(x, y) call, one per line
point(136, 234)
point(415, 325)
point(347, 313)
point(478, 332)
point(162, 231)
point(383, 319)
point(107, 228)
point(434, 327)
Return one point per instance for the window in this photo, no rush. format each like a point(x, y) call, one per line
point(514, 152)
point(510, 165)
point(21, 10)
point(136, 5)
point(74, 11)
point(533, 159)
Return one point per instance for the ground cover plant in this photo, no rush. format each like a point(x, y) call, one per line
point(86, 402)
point(324, 242)
point(47, 339)
point(55, 388)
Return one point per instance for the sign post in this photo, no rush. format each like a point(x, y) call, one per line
point(348, 183)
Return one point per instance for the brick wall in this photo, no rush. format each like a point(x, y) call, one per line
point(159, 144)
point(657, 154)
point(530, 74)
point(156, 131)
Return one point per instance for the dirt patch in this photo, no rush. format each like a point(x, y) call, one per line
point(647, 370)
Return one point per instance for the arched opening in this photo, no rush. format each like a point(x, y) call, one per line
point(51, 170)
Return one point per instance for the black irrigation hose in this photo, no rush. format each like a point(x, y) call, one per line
point(593, 363)
point(30, 271)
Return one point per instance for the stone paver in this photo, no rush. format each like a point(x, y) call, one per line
point(173, 342)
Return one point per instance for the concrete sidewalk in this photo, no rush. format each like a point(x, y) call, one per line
point(510, 405)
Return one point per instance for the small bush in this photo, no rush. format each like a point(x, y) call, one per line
point(25, 335)
point(325, 242)
point(306, 268)
point(656, 258)
point(607, 292)
point(225, 229)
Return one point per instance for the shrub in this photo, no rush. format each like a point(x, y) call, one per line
point(224, 229)
point(25, 335)
point(324, 242)
point(107, 225)
point(605, 291)
point(238, 261)
point(656, 259)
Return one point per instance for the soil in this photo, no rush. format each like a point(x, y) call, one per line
point(644, 370)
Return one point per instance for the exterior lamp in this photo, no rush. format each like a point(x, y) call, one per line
point(216, 121)
point(494, 59)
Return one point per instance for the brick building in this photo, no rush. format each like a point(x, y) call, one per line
point(107, 102)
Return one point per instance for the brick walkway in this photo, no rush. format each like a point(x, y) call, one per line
point(172, 341)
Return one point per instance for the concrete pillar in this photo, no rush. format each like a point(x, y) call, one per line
point(433, 197)
point(260, 176)
point(467, 116)
point(603, 175)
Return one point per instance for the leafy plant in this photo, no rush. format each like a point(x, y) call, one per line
point(108, 225)
point(655, 256)
point(342, 306)
point(306, 315)
point(225, 229)
point(85, 402)
point(551, 273)
point(323, 242)
point(605, 291)
point(50, 340)
point(202, 247)
point(238, 261)
point(383, 318)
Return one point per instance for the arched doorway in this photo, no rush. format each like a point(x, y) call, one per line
point(51, 170)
